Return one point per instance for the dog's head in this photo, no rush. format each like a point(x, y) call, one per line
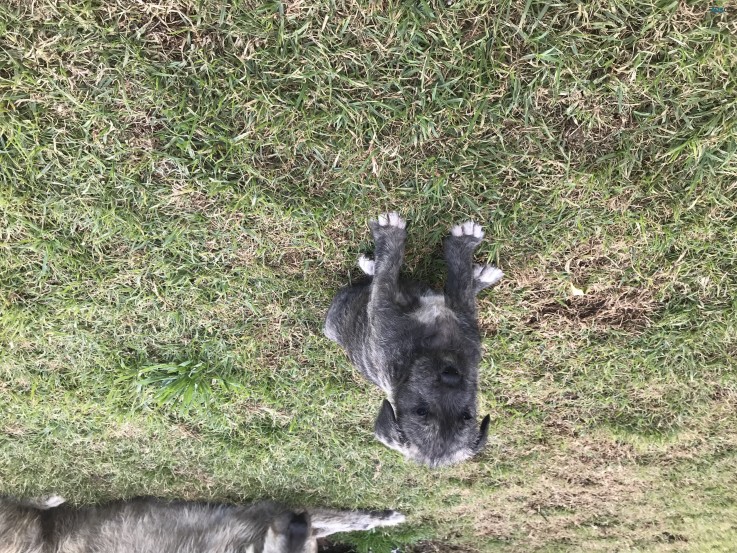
point(433, 416)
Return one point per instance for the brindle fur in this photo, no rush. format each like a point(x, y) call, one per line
point(420, 346)
point(155, 526)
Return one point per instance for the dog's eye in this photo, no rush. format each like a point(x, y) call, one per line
point(421, 412)
point(467, 416)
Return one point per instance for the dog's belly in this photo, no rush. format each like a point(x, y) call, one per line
point(432, 310)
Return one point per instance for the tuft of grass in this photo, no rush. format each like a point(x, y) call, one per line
point(179, 385)
point(184, 184)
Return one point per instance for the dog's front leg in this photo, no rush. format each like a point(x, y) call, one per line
point(389, 236)
point(465, 279)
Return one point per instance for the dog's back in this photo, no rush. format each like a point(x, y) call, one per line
point(21, 528)
point(153, 526)
point(140, 526)
point(346, 320)
point(421, 321)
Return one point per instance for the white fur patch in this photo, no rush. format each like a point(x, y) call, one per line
point(391, 219)
point(432, 307)
point(469, 228)
point(52, 501)
point(393, 519)
point(488, 274)
point(366, 264)
point(414, 453)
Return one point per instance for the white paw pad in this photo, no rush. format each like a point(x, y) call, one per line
point(469, 228)
point(366, 264)
point(392, 219)
point(488, 274)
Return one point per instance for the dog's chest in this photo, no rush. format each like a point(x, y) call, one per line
point(432, 310)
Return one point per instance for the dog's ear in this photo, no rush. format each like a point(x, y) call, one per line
point(387, 428)
point(483, 434)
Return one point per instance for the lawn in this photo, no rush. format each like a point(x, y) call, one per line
point(185, 184)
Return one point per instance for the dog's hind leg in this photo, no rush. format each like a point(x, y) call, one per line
point(389, 236)
point(465, 279)
point(326, 521)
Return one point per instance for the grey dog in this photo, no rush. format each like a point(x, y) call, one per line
point(154, 526)
point(420, 346)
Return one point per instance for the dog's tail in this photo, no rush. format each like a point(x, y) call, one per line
point(327, 521)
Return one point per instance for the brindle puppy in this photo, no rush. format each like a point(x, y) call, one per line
point(420, 346)
point(153, 526)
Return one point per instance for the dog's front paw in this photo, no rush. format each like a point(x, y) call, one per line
point(486, 275)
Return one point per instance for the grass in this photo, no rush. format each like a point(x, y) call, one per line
point(185, 184)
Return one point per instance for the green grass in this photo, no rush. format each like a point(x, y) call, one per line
point(185, 184)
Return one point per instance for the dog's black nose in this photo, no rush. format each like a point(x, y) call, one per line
point(450, 377)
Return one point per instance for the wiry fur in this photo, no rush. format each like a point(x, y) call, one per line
point(154, 526)
point(421, 347)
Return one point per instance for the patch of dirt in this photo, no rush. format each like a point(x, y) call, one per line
point(566, 497)
point(625, 309)
point(141, 127)
point(439, 547)
point(287, 246)
point(588, 126)
point(166, 24)
point(33, 10)
point(188, 199)
point(14, 430)
point(126, 430)
point(294, 8)
point(587, 492)
point(583, 288)
point(598, 452)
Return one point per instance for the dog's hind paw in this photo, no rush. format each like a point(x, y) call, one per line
point(391, 219)
point(486, 275)
point(469, 228)
point(388, 227)
point(366, 264)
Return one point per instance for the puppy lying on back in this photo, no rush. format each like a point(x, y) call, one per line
point(152, 526)
point(420, 346)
